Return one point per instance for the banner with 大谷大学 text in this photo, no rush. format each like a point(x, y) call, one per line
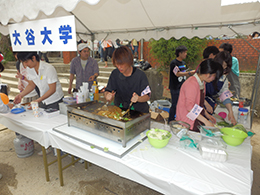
point(55, 34)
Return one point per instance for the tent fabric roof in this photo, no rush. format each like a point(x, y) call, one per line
point(127, 19)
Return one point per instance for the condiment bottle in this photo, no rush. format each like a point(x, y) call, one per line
point(95, 90)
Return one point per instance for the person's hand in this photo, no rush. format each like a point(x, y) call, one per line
point(18, 99)
point(232, 118)
point(109, 96)
point(69, 90)
point(134, 98)
point(212, 119)
point(209, 109)
point(192, 72)
point(10, 105)
point(29, 107)
point(19, 75)
point(91, 78)
point(103, 90)
point(209, 124)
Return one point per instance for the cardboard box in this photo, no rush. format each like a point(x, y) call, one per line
point(159, 115)
point(165, 74)
point(166, 92)
point(165, 81)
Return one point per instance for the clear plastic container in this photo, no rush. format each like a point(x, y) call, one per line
point(179, 128)
point(242, 115)
point(213, 150)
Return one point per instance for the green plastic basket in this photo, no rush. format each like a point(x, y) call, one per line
point(233, 137)
point(156, 143)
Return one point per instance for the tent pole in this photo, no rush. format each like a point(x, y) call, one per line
point(256, 82)
point(92, 41)
point(83, 24)
point(255, 90)
point(244, 39)
point(142, 49)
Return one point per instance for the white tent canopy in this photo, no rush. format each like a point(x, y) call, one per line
point(127, 19)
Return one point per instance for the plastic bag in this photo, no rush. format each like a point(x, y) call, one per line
point(210, 131)
point(188, 141)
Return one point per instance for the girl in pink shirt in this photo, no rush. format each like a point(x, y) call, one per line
point(190, 106)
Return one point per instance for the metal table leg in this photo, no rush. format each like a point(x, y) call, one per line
point(59, 161)
point(45, 164)
point(60, 167)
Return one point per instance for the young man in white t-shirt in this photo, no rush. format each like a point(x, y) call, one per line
point(44, 76)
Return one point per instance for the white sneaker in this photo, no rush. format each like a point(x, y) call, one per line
point(48, 151)
point(81, 161)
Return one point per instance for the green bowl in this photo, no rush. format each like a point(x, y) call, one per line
point(233, 137)
point(156, 143)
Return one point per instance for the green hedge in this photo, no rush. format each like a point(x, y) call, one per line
point(164, 51)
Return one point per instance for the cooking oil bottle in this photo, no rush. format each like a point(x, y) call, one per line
point(95, 90)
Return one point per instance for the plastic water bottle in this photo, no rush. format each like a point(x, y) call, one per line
point(91, 96)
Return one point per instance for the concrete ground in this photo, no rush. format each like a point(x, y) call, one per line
point(23, 176)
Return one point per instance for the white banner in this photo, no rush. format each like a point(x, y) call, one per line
point(55, 34)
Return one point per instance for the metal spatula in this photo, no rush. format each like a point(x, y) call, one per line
point(105, 106)
point(127, 111)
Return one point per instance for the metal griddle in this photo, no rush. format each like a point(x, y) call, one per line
point(83, 116)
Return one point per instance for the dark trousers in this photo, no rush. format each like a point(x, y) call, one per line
point(175, 97)
point(54, 105)
point(108, 52)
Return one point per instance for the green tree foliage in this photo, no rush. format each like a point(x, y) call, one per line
point(164, 51)
point(5, 48)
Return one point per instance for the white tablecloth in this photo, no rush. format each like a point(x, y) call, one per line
point(170, 170)
point(173, 169)
point(34, 128)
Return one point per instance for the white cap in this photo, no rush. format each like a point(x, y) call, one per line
point(82, 46)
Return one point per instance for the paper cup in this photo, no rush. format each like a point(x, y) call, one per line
point(34, 105)
point(37, 113)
